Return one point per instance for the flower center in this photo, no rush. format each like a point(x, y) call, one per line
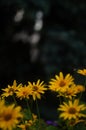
point(72, 110)
point(7, 117)
point(68, 93)
point(35, 88)
point(62, 83)
point(11, 90)
point(24, 93)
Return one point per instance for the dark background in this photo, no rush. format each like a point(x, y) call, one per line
point(61, 45)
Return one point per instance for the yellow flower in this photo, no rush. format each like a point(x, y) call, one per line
point(9, 117)
point(72, 110)
point(28, 123)
point(79, 88)
point(61, 83)
point(10, 90)
point(33, 120)
point(82, 72)
point(23, 92)
point(37, 89)
point(73, 90)
point(69, 92)
point(24, 126)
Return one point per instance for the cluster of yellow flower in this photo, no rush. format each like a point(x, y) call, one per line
point(65, 86)
point(70, 108)
point(25, 91)
point(10, 115)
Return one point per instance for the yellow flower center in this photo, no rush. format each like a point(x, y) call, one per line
point(24, 93)
point(35, 88)
point(72, 110)
point(62, 83)
point(11, 90)
point(7, 117)
point(69, 93)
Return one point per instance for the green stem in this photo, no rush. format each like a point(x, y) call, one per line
point(14, 100)
point(29, 109)
point(80, 96)
point(38, 113)
point(37, 109)
point(69, 127)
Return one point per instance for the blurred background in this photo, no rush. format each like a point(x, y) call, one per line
point(40, 38)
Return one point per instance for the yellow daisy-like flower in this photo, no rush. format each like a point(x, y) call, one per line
point(23, 126)
point(33, 120)
point(23, 92)
point(37, 89)
point(82, 72)
point(10, 90)
point(79, 88)
point(28, 123)
point(73, 90)
point(61, 83)
point(72, 110)
point(69, 92)
point(9, 117)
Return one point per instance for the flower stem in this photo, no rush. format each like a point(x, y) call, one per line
point(38, 113)
point(14, 100)
point(69, 127)
point(37, 109)
point(30, 113)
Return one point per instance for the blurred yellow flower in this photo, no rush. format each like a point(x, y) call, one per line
point(23, 92)
point(10, 90)
point(61, 83)
point(9, 117)
point(79, 88)
point(33, 120)
point(28, 123)
point(24, 126)
point(69, 92)
point(38, 88)
point(73, 90)
point(72, 110)
point(82, 72)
